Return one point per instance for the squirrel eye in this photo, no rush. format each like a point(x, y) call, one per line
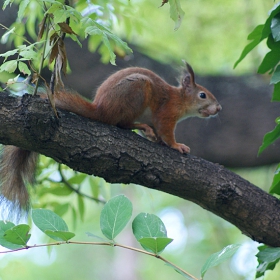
point(202, 95)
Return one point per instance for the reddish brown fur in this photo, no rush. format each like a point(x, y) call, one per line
point(125, 96)
point(131, 98)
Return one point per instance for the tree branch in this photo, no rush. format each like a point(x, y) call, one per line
point(121, 156)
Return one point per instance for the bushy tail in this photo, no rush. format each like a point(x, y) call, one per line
point(16, 170)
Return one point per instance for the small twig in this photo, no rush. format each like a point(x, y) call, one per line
point(25, 40)
point(104, 244)
point(43, 56)
point(64, 180)
point(53, 77)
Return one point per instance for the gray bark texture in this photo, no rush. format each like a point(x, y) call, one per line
point(122, 156)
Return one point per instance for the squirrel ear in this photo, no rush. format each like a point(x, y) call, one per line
point(188, 79)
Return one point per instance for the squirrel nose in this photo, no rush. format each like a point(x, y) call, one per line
point(219, 108)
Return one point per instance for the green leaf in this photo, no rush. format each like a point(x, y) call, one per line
point(154, 244)
point(47, 220)
point(60, 191)
point(219, 257)
point(267, 259)
point(267, 26)
point(275, 186)
point(269, 138)
point(28, 54)
point(276, 92)
point(9, 66)
point(22, 6)
point(148, 225)
point(94, 28)
point(256, 33)
point(60, 16)
point(23, 68)
point(60, 235)
point(270, 60)
point(18, 234)
point(81, 206)
point(256, 36)
point(276, 76)
point(176, 12)
point(60, 208)
point(9, 53)
point(77, 179)
point(4, 226)
point(275, 28)
point(6, 3)
point(115, 215)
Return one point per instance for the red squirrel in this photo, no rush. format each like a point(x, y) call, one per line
point(132, 98)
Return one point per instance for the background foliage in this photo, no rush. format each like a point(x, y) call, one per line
point(211, 35)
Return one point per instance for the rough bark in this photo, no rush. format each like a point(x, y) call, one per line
point(121, 156)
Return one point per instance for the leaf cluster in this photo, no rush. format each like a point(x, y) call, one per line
point(269, 31)
point(56, 20)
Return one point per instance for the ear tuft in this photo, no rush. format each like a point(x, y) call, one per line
point(189, 79)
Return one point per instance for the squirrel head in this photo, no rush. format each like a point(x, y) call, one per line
point(200, 102)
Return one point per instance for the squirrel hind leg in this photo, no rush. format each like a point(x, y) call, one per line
point(146, 129)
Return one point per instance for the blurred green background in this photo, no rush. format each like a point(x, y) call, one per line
point(212, 36)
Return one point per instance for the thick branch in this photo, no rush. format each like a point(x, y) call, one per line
point(121, 156)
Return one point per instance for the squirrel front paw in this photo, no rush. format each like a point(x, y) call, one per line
point(181, 148)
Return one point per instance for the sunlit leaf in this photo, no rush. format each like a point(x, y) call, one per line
point(59, 15)
point(22, 6)
point(6, 3)
point(219, 257)
point(23, 68)
point(60, 191)
point(18, 234)
point(176, 12)
point(155, 244)
point(77, 178)
point(94, 28)
point(61, 208)
point(115, 215)
point(28, 54)
point(9, 53)
point(9, 66)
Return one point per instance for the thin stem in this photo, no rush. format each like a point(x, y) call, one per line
point(25, 40)
point(104, 244)
point(43, 54)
